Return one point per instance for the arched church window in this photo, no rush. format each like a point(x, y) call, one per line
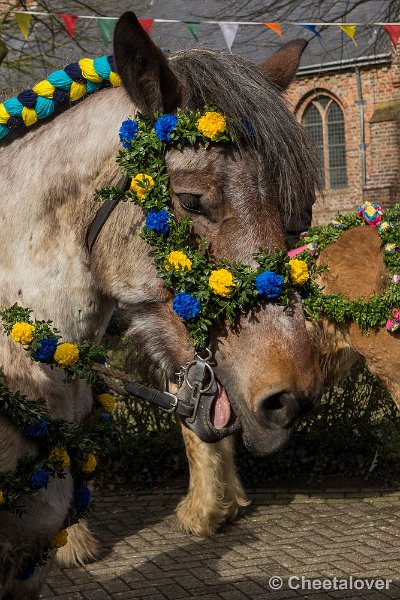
point(323, 119)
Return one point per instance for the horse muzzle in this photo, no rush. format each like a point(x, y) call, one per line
point(212, 417)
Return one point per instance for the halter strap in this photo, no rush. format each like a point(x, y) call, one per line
point(102, 215)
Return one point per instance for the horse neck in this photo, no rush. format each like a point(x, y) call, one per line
point(46, 207)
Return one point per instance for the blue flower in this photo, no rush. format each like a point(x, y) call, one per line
point(164, 125)
point(36, 429)
point(158, 221)
point(27, 573)
point(82, 498)
point(305, 293)
point(101, 360)
point(38, 479)
point(45, 352)
point(106, 421)
point(249, 128)
point(127, 132)
point(186, 306)
point(269, 284)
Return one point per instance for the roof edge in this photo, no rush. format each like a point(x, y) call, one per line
point(347, 63)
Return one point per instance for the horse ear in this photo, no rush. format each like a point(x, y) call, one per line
point(143, 68)
point(282, 66)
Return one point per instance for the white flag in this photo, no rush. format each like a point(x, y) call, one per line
point(229, 31)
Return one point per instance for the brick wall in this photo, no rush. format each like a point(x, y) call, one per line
point(381, 94)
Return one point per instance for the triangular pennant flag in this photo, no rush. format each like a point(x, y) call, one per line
point(106, 28)
point(147, 24)
point(23, 21)
point(229, 31)
point(275, 27)
point(350, 30)
point(69, 22)
point(393, 32)
point(312, 28)
point(193, 27)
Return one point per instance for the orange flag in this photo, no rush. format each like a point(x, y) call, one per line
point(275, 27)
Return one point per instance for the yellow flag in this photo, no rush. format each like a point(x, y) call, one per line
point(350, 30)
point(23, 21)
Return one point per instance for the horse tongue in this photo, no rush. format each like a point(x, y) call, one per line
point(221, 409)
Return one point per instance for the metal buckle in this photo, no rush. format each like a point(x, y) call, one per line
point(206, 366)
point(173, 404)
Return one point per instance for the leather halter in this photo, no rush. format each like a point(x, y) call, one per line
point(102, 215)
point(197, 385)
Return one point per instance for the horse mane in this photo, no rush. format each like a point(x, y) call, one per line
point(260, 117)
point(236, 87)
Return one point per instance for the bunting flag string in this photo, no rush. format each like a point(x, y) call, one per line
point(275, 27)
point(69, 22)
point(393, 32)
point(147, 24)
point(312, 28)
point(193, 27)
point(229, 29)
point(106, 28)
point(23, 20)
point(349, 30)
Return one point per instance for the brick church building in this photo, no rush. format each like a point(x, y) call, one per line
point(351, 109)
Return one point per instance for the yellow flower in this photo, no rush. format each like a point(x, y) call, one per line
point(59, 456)
point(211, 124)
point(2, 499)
point(66, 354)
point(59, 540)
point(89, 464)
point(107, 401)
point(298, 271)
point(22, 333)
point(221, 282)
point(141, 184)
point(179, 261)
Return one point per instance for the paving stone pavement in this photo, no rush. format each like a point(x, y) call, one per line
point(282, 534)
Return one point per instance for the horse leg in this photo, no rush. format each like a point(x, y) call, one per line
point(215, 492)
point(80, 548)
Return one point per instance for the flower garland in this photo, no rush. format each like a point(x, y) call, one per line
point(204, 292)
point(380, 310)
point(62, 445)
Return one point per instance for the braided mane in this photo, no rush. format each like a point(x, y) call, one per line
point(56, 93)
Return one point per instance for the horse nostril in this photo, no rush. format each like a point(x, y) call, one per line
point(273, 402)
point(281, 410)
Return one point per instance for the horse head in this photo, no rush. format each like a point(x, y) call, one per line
point(239, 197)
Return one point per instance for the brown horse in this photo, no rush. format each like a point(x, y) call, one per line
point(356, 269)
point(239, 197)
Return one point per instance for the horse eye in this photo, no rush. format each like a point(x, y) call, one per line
point(191, 203)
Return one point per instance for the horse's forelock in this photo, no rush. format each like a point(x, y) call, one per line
point(254, 106)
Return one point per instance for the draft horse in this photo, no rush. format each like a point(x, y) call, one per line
point(241, 197)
